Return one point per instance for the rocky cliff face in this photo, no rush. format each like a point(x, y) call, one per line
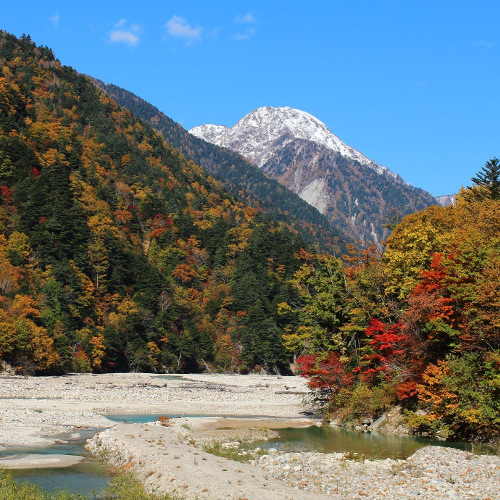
point(447, 199)
point(300, 151)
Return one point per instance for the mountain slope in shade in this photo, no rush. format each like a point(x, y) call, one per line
point(300, 151)
point(238, 175)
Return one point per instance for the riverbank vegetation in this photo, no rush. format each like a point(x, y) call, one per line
point(416, 326)
point(123, 486)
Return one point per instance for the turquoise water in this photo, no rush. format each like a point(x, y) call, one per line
point(88, 477)
point(144, 418)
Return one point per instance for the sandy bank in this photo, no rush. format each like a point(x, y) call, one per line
point(35, 409)
point(165, 462)
point(32, 461)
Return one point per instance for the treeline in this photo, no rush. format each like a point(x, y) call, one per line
point(418, 326)
point(116, 252)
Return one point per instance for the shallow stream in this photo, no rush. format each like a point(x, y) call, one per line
point(89, 477)
point(328, 439)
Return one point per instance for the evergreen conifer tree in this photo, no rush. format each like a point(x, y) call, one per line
point(489, 180)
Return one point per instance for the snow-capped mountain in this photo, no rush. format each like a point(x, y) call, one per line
point(254, 136)
point(303, 154)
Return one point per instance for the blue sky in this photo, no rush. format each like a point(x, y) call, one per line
point(413, 85)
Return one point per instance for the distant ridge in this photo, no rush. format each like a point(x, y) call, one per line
point(300, 151)
point(238, 174)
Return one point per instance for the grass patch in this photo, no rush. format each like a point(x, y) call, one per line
point(14, 490)
point(242, 453)
point(123, 486)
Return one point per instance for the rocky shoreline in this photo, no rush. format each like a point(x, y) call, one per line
point(35, 411)
point(431, 472)
point(169, 459)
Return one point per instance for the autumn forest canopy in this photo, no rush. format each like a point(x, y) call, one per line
point(117, 253)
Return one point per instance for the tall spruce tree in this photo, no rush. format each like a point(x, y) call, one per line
point(488, 179)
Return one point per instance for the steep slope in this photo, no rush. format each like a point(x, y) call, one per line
point(116, 252)
point(238, 175)
point(300, 151)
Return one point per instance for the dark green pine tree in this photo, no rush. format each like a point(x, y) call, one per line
point(488, 179)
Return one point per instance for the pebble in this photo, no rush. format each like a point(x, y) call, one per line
point(430, 473)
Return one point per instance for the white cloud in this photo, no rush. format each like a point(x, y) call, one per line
point(55, 19)
point(126, 37)
point(248, 18)
point(122, 34)
point(178, 27)
point(250, 31)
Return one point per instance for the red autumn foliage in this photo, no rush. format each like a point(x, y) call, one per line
point(406, 390)
point(326, 373)
point(433, 284)
point(159, 224)
point(386, 342)
point(6, 194)
point(80, 353)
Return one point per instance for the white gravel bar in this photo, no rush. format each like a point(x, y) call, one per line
point(35, 410)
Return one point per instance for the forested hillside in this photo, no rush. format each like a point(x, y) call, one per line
point(241, 178)
point(116, 252)
point(418, 326)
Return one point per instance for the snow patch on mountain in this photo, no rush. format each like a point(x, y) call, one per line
point(447, 200)
point(255, 134)
point(211, 133)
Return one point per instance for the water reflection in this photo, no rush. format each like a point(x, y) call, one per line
point(328, 439)
point(87, 478)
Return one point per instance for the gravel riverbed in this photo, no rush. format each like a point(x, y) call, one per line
point(35, 410)
point(431, 472)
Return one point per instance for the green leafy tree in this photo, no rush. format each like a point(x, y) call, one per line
point(322, 310)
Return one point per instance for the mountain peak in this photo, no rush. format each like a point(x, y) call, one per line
point(256, 133)
point(303, 154)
